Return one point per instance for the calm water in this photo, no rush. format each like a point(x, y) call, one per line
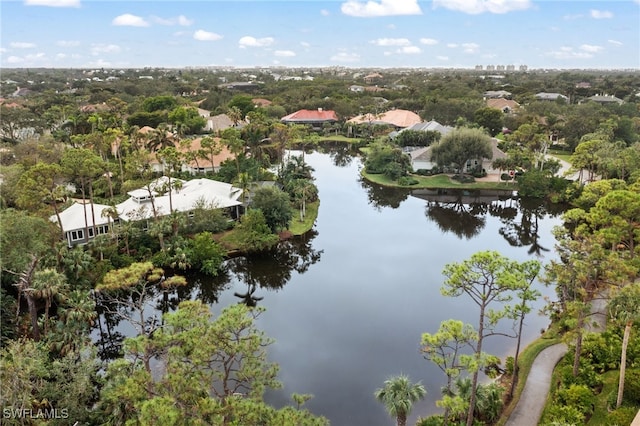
point(348, 303)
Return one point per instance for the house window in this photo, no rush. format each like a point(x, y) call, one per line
point(90, 232)
point(77, 235)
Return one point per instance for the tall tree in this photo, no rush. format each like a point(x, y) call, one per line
point(487, 280)
point(398, 396)
point(461, 146)
point(83, 166)
point(137, 282)
point(222, 382)
point(24, 242)
point(624, 308)
point(445, 349)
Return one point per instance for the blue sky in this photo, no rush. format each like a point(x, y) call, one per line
point(351, 33)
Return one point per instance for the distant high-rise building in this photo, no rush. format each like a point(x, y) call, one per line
point(511, 68)
point(491, 68)
point(478, 67)
point(500, 68)
point(523, 68)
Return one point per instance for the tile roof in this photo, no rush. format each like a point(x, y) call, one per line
point(396, 117)
point(310, 115)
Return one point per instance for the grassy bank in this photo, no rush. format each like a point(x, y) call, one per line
point(437, 182)
point(299, 227)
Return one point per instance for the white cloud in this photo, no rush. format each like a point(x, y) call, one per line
point(616, 42)
point(98, 49)
point(129, 20)
point(14, 60)
point(572, 17)
point(600, 14)
point(409, 50)
point(203, 35)
point(566, 52)
point(178, 20)
point(68, 43)
point(248, 41)
point(373, 8)
point(3, 49)
point(22, 45)
point(391, 42)
point(452, 45)
point(429, 41)
point(475, 7)
point(284, 53)
point(591, 48)
point(184, 21)
point(470, 47)
point(345, 57)
point(442, 58)
point(53, 3)
point(391, 26)
point(305, 44)
point(325, 12)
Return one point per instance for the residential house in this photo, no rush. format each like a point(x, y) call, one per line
point(201, 160)
point(398, 118)
point(187, 196)
point(507, 106)
point(430, 126)
point(421, 159)
point(606, 99)
point(315, 118)
point(496, 94)
point(356, 88)
point(372, 78)
point(78, 231)
point(544, 96)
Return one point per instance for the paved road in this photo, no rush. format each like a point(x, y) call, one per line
point(534, 396)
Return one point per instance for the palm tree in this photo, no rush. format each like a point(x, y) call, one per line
point(398, 396)
point(624, 309)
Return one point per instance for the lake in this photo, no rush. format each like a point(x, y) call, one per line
point(348, 302)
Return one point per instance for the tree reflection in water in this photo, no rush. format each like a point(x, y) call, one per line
point(381, 196)
point(463, 213)
point(271, 269)
point(525, 231)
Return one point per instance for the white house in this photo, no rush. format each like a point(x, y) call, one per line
point(76, 229)
point(183, 199)
point(139, 206)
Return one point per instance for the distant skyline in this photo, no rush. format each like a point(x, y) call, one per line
point(564, 34)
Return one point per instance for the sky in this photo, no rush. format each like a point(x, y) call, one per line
point(561, 34)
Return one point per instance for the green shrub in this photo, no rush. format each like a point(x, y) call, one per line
point(587, 375)
point(436, 420)
point(578, 396)
point(602, 350)
point(623, 416)
point(407, 181)
point(464, 178)
point(564, 415)
point(509, 365)
point(632, 386)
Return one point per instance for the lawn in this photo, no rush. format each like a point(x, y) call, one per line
point(298, 227)
point(437, 181)
point(562, 155)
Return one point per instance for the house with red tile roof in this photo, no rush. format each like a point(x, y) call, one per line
point(313, 117)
